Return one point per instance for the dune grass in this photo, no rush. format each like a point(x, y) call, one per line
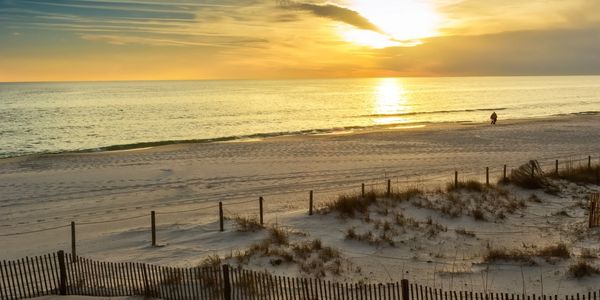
point(247, 224)
point(469, 185)
point(582, 269)
point(528, 176)
point(579, 174)
point(349, 205)
point(494, 255)
point(558, 251)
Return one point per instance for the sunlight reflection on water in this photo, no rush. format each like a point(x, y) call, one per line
point(390, 101)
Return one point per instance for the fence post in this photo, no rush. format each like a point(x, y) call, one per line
point(455, 179)
point(310, 203)
point(260, 206)
point(389, 187)
point(362, 190)
point(487, 175)
point(591, 215)
point(589, 161)
point(226, 283)
point(404, 285)
point(556, 167)
point(153, 225)
point(73, 246)
point(221, 216)
point(504, 174)
point(62, 287)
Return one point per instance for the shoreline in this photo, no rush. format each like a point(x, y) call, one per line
point(301, 134)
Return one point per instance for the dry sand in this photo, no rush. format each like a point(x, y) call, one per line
point(117, 190)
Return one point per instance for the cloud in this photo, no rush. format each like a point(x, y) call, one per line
point(123, 40)
point(533, 52)
point(337, 13)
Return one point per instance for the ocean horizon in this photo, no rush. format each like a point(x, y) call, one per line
point(54, 117)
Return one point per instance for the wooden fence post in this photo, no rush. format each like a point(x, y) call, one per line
point(153, 225)
point(556, 167)
point(362, 190)
point(221, 216)
point(73, 246)
point(455, 179)
point(310, 203)
point(591, 215)
point(226, 283)
point(504, 174)
point(260, 206)
point(487, 175)
point(62, 287)
point(389, 187)
point(404, 285)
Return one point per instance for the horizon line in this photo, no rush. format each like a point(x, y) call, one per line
point(288, 78)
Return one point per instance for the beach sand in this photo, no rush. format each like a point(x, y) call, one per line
point(110, 194)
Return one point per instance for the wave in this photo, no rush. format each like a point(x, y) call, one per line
point(237, 137)
point(434, 112)
point(149, 144)
point(579, 113)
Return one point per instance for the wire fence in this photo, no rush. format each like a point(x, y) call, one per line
point(209, 217)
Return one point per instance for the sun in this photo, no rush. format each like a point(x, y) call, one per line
point(402, 22)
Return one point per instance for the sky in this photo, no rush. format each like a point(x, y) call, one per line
point(73, 40)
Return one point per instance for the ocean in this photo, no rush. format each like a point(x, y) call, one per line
point(96, 116)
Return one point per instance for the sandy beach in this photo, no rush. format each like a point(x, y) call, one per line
point(110, 196)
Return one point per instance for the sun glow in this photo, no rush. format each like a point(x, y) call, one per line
point(402, 22)
point(367, 38)
point(390, 102)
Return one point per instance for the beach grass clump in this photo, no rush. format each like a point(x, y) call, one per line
point(478, 214)
point(529, 176)
point(247, 224)
point(433, 229)
point(582, 269)
point(311, 256)
point(280, 256)
point(406, 194)
point(469, 185)
point(211, 261)
point(579, 174)
point(401, 221)
point(279, 236)
point(462, 231)
point(350, 205)
point(368, 236)
point(509, 255)
point(560, 251)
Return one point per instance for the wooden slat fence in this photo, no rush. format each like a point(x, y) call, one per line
point(94, 278)
point(29, 277)
point(594, 217)
point(64, 274)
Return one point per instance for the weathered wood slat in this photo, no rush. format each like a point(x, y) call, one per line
point(19, 279)
point(6, 294)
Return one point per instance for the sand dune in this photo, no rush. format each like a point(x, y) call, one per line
point(183, 183)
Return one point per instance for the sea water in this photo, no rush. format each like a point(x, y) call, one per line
point(94, 116)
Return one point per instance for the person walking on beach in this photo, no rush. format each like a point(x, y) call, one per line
point(494, 117)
